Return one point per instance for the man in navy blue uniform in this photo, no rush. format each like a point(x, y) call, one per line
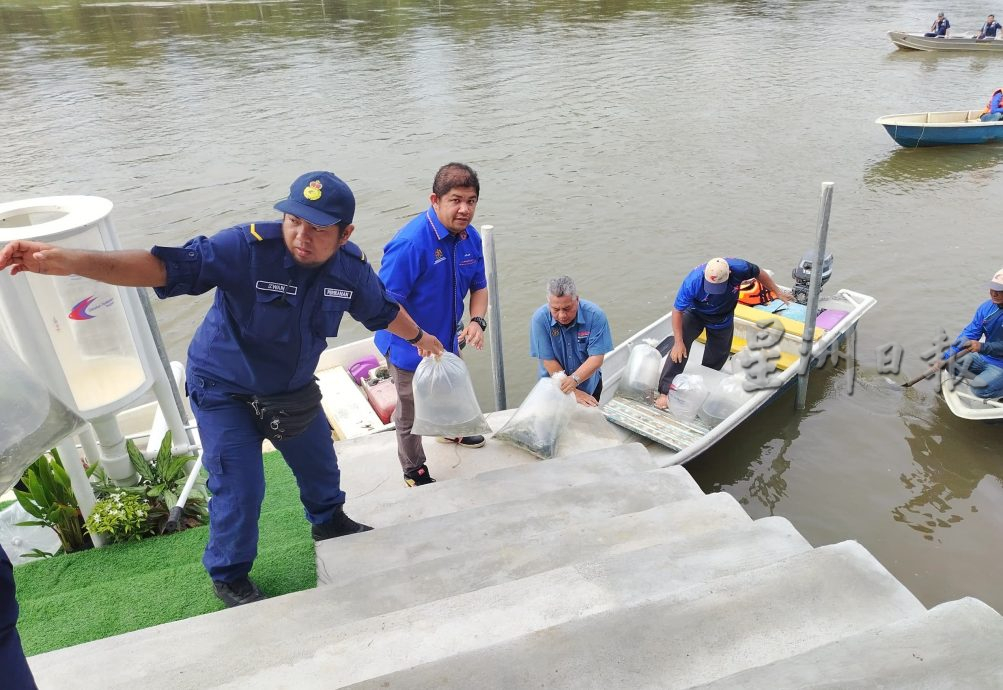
point(282, 289)
point(572, 335)
point(429, 266)
point(13, 666)
point(939, 27)
point(990, 28)
point(706, 301)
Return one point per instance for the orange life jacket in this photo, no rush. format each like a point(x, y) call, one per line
point(989, 105)
point(752, 292)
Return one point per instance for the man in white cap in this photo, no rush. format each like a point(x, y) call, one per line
point(981, 341)
point(706, 301)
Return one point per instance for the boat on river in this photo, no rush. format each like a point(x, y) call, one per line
point(917, 41)
point(965, 404)
point(946, 128)
point(687, 438)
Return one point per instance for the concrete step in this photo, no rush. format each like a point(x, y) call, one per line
point(308, 639)
point(403, 504)
point(508, 523)
point(954, 645)
point(506, 612)
point(493, 564)
point(687, 637)
point(369, 463)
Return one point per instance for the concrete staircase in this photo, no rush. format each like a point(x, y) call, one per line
point(598, 569)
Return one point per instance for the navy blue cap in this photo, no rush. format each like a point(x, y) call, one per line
point(320, 198)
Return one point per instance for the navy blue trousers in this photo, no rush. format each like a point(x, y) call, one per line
point(231, 454)
point(14, 671)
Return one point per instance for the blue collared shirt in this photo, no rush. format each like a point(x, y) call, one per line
point(717, 310)
point(571, 345)
point(271, 317)
point(429, 271)
point(988, 322)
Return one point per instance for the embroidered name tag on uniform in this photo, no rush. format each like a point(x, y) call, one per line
point(276, 287)
point(341, 294)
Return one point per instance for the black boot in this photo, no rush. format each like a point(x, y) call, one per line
point(239, 592)
point(419, 476)
point(338, 526)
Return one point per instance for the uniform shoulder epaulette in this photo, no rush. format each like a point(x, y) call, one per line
point(259, 232)
point(354, 251)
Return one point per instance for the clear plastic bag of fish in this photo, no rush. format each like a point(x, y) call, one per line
point(641, 376)
point(537, 425)
point(444, 399)
point(32, 419)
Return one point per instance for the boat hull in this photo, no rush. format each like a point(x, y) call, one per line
point(963, 403)
point(951, 128)
point(697, 440)
point(914, 41)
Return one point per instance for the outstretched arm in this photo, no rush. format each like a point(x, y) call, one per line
point(128, 267)
point(766, 280)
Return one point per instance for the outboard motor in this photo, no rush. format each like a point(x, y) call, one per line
point(802, 275)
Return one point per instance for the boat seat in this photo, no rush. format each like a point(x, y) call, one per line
point(792, 329)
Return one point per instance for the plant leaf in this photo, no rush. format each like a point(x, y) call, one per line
point(139, 462)
point(164, 454)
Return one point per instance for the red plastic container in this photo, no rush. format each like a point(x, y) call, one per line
point(382, 397)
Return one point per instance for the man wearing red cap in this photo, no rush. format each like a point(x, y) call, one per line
point(282, 288)
point(706, 301)
point(982, 342)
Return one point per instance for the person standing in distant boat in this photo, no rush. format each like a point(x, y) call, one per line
point(994, 108)
point(990, 28)
point(939, 27)
point(706, 301)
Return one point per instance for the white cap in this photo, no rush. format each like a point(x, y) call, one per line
point(715, 276)
point(997, 282)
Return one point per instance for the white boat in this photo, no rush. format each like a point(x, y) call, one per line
point(917, 41)
point(964, 403)
point(687, 439)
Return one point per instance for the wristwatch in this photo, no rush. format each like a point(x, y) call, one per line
point(575, 378)
point(417, 337)
point(480, 321)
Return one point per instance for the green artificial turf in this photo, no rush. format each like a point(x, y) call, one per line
point(97, 593)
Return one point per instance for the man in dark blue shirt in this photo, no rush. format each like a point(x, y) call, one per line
point(939, 27)
point(706, 301)
point(990, 28)
point(282, 288)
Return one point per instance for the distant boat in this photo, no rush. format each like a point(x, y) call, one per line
point(917, 41)
point(941, 129)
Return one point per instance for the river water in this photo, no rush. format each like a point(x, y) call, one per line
point(621, 142)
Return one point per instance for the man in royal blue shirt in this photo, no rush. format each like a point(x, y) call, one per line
point(572, 335)
point(282, 288)
point(429, 266)
point(939, 27)
point(982, 342)
point(706, 301)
